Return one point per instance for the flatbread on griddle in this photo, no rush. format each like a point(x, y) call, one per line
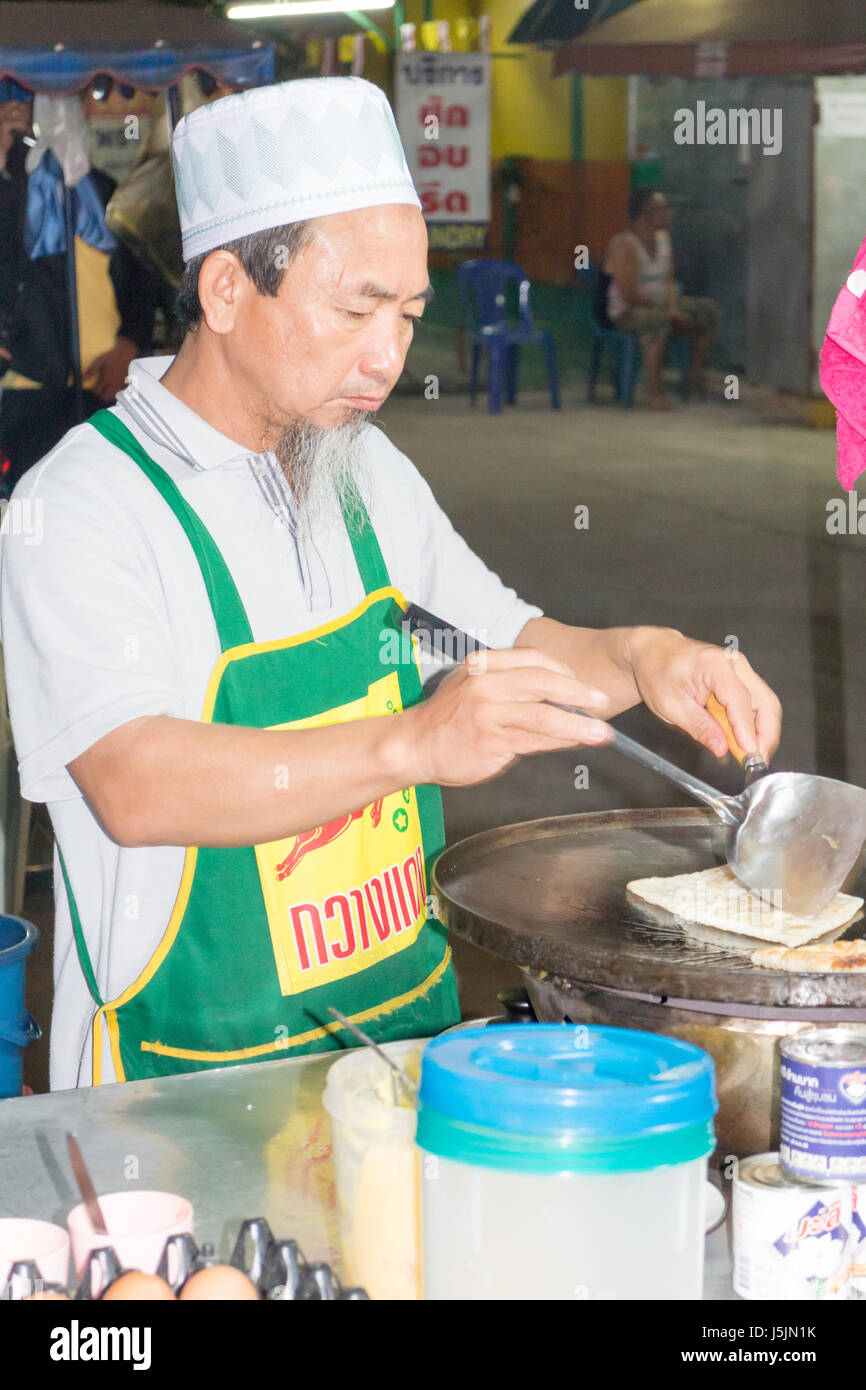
point(814, 960)
point(716, 898)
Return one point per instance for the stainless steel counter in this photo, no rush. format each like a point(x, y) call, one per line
point(238, 1142)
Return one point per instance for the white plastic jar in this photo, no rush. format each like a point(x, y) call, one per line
point(564, 1162)
point(376, 1170)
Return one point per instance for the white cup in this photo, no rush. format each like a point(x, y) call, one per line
point(139, 1224)
point(46, 1245)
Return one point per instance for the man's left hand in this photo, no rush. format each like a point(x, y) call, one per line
point(111, 369)
point(676, 676)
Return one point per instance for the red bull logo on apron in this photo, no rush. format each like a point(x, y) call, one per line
point(349, 893)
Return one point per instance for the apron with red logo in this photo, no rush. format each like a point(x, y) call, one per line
point(263, 938)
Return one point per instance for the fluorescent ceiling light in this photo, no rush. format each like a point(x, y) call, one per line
point(288, 9)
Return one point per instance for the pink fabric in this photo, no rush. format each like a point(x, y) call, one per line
point(843, 372)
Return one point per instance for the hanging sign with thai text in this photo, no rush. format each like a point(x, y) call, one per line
point(443, 112)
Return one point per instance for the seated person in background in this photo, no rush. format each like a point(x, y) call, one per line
point(642, 295)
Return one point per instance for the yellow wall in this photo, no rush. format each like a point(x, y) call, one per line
point(530, 112)
point(604, 117)
point(442, 9)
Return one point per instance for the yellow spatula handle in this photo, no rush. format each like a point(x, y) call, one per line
point(720, 715)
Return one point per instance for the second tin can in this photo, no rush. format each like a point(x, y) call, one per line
point(823, 1105)
point(790, 1240)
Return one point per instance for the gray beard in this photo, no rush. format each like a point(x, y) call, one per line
point(320, 466)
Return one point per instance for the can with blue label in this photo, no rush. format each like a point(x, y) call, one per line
point(822, 1135)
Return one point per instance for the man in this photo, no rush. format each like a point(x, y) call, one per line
point(116, 302)
point(643, 297)
point(205, 651)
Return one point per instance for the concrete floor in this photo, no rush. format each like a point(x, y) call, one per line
point(710, 519)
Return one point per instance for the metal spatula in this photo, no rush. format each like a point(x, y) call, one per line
point(793, 837)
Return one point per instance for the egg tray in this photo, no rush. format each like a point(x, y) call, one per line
point(277, 1268)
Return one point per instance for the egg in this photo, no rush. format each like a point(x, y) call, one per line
point(135, 1286)
point(219, 1282)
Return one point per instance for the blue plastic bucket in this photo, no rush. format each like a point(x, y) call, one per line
point(17, 1026)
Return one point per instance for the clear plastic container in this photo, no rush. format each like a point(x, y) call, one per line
point(376, 1170)
point(505, 1235)
point(564, 1163)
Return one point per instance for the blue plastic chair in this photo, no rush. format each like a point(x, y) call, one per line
point(626, 346)
point(483, 293)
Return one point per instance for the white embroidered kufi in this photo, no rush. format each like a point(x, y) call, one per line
point(281, 154)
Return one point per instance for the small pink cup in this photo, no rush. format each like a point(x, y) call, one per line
point(46, 1245)
point(139, 1224)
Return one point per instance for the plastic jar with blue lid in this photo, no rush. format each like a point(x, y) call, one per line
point(564, 1162)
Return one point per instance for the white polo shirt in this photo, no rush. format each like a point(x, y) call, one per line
point(105, 618)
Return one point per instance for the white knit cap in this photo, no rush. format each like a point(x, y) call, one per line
point(280, 154)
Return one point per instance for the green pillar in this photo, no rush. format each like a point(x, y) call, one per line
point(576, 118)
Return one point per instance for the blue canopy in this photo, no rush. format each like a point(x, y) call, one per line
point(57, 47)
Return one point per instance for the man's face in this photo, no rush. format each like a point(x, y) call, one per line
point(333, 341)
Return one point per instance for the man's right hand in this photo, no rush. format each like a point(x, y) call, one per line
point(498, 706)
point(164, 780)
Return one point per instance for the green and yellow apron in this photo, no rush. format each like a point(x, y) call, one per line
point(263, 938)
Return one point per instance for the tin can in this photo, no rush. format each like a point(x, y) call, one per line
point(858, 1240)
point(823, 1105)
point(790, 1240)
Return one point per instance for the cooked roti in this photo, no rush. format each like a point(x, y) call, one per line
point(716, 898)
point(814, 960)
